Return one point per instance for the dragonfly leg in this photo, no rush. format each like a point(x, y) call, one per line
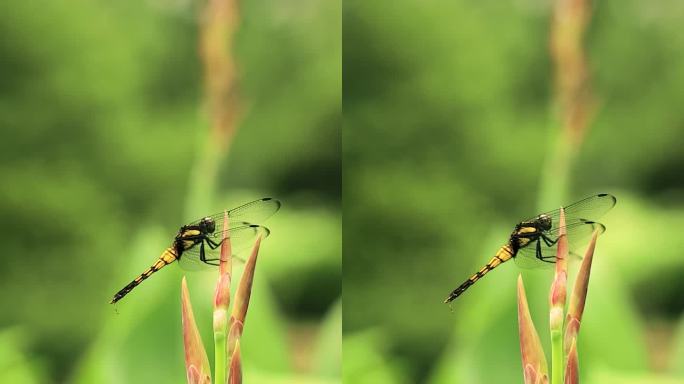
point(542, 257)
point(213, 244)
point(546, 259)
point(548, 241)
point(202, 256)
point(539, 252)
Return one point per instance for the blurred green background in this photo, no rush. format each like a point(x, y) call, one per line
point(447, 126)
point(103, 122)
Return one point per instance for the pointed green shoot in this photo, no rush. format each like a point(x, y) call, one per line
point(557, 303)
point(579, 295)
point(572, 369)
point(535, 368)
point(242, 296)
point(221, 303)
point(196, 360)
point(236, 366)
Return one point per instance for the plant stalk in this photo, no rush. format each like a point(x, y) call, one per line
point(557, 360)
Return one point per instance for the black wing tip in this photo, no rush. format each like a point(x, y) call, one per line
point(267, 231)
point(612, 197)
point(271, 199)
point(277, 202)
point(594, 223)
point(261, 228)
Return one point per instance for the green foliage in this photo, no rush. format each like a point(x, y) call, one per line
point(16, 366)
point(328, 351)
point(364, 361)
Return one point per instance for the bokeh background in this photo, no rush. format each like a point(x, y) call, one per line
point(454, 130)
point(108, 146)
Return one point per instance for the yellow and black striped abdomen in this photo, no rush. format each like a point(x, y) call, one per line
point(168, 257)
point(504, 254)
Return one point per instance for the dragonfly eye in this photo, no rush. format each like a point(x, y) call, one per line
point(208, 224)
point(544, 222)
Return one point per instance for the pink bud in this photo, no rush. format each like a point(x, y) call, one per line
point(533, 358)
point(196, 361)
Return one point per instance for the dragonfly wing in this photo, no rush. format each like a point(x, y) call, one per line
point(253, 212)
point(588, 209)
point(578, 233)
point(241, 239)
point(193, 263)
point(529, 261)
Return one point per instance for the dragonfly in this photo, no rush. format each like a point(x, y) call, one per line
point(533, 242)
point(197, 245)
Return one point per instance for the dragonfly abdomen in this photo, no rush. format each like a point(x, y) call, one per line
point(168, 257)
point(504, 254)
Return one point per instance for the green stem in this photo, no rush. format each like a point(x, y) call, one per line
point(555, 173)
point(220, 357)
point(557, 357)
point(203, 176)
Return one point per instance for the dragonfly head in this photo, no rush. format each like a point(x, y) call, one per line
point(207, 225)
point(544, 222)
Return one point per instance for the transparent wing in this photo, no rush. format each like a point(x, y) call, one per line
point(193, 263)
point(529, 261)
point(588, 209)
point(241, 239)
point(578, 235)
point(252, 212)
point(578, 232)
